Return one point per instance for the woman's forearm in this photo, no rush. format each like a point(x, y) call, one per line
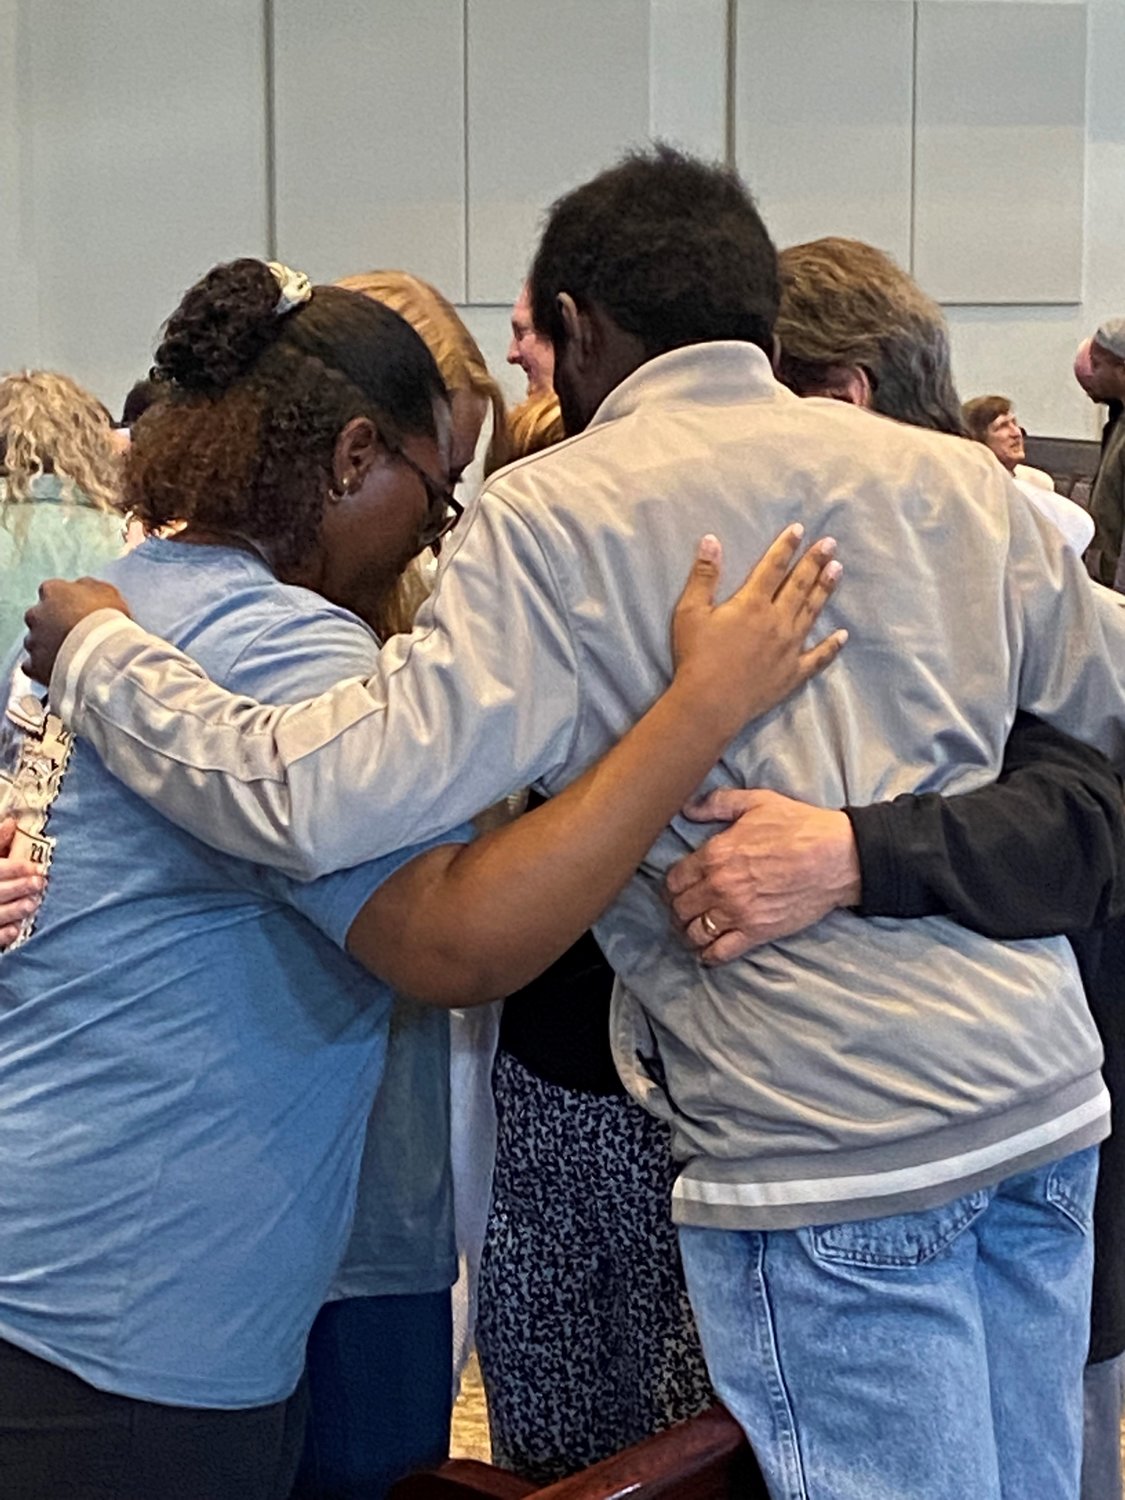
point(462, 925)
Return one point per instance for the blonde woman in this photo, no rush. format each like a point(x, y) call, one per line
point(58, 489)
point(535, 424)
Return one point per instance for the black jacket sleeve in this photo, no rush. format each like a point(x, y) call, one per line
point(1037, 853)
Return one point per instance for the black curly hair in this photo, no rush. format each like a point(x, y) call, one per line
point(244, 439)
point(671, 247)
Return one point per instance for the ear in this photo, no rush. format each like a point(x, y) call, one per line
point(581, 335)
point(775, 355)
point(357, 450)
point(849, 383)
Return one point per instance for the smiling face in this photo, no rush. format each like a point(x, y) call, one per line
point(1004, 437)
point(534, 354)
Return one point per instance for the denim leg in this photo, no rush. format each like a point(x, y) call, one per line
point(1036, 1255)
point(1103, 1403)
point(854, 1354)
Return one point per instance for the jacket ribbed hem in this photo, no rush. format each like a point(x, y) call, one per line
point(899, 1177)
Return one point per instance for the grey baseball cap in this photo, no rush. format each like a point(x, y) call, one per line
point(1111, 336)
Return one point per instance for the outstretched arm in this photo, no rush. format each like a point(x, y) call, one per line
point(1039, 852)
point(463, 924)
point(479, 701)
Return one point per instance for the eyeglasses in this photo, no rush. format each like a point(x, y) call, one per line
point(444, 511)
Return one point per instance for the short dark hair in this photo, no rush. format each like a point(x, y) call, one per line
point(672, 248)
point(255, 400)
point(981, 412)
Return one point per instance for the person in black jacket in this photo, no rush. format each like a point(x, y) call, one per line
point(1039, 853)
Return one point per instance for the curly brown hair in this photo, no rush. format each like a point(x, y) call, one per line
point(256, 400)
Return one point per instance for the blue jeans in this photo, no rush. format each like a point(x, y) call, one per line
point(926, 1356)
point(380, 1383)
point(1104, 1400)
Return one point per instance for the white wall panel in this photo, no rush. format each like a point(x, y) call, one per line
point(1000, 151)
point(19, 325)
point(556, 89)
point(369, 142)
point(143, 162)
point(823, 107)
point(688, 75)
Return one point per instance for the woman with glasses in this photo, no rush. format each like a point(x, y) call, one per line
point(189, 1044)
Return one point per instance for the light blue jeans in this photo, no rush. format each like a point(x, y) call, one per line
point(927, 1356)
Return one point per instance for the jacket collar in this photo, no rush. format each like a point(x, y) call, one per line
point(723, 373)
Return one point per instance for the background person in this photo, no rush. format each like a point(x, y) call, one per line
point(382, 1354)
point(60, 489)
point(586, 1337)
point(529, 349)
point(1107, 497)
point(991, 420)
point(474, 398)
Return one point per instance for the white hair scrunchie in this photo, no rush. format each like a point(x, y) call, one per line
point(295, 287)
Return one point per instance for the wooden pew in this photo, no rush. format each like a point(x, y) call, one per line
point(706, 1458)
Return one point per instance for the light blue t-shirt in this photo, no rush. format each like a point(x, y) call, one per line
point(403, 1239)
point(187, 1057)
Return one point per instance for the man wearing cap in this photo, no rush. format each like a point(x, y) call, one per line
point(1084, 374)
point(1106, 382)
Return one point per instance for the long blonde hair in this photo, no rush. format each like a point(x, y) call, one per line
point(50, 425)
point(535, 424)
point(457, 354)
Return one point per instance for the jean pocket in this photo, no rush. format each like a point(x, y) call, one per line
point(1070, 1187)
point(900, 1240)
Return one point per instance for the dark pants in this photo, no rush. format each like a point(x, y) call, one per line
point(380, 1378)
point(61, 1439)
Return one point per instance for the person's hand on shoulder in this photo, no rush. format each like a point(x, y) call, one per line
point(742, 657)
point(61, 607)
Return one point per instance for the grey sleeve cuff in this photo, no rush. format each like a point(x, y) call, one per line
point(82, 644)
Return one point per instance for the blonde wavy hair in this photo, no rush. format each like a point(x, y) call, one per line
point(535, 424)
point(457, 355)
point(50, 425)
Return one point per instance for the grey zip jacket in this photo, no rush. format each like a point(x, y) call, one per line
point(860, 1068)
